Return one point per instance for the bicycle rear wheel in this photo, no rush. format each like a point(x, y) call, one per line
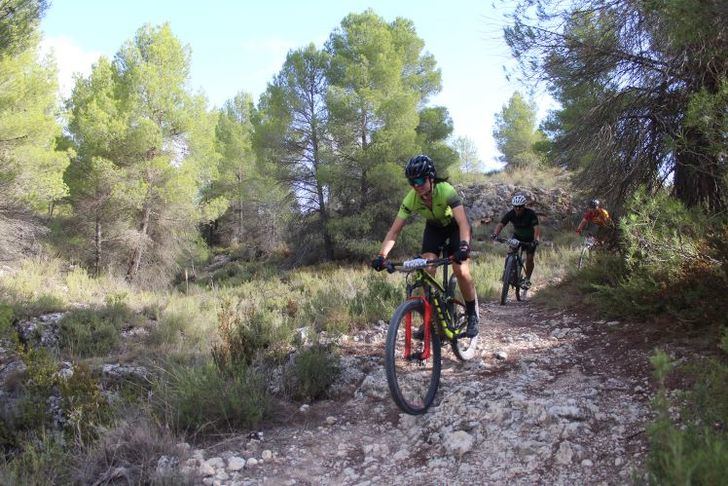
point(507, 278)
point(412, 381)
point(463, 347)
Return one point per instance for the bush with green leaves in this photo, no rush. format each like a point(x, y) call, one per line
point(6, 318)
point(327, 309)
point(660, 235)
point(377, 300)
point(95, 332)
point(42, 458)
point(38, 384)
point(84, 407)
point(239, 272)
point(668, 265)
point(247, 335)
point(694, 451)
point(203, 399)
point(86, 332)
point(313, 370)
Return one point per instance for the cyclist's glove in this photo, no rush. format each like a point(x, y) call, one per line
point(463, 252)
point(378, 263)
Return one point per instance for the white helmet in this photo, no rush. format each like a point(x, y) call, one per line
point(518, 200)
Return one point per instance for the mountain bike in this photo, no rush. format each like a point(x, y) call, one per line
point(513, 268)
point(589, 244)
point(418, 327)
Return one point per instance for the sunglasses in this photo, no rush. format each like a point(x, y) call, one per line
point(518, 207)
point(417, 181)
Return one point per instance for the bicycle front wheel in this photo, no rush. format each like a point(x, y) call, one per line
point(463, 347)
point(583, 257)
point(412, 380)
point(508, 271)
point(517, 279)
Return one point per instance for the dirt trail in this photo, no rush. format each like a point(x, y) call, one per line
point(551, 398)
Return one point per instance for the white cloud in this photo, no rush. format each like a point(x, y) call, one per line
point(70, 59)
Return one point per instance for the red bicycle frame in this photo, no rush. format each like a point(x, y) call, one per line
point(428, 329)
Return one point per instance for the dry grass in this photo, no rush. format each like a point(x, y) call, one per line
point(128, 454)
point(545, 178)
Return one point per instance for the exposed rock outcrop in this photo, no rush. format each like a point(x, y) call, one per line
point(488, 202)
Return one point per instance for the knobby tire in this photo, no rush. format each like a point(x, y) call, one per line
point(583, 257)
point(507, 278)
point(517, 280)
point(412, 383)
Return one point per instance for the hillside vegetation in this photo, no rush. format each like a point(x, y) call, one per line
point(223, 353)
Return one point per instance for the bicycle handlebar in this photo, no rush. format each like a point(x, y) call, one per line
point(415, 264)
point(511, 241)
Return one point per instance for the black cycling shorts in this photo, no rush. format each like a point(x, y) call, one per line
point(436, 237)
point(530, 249)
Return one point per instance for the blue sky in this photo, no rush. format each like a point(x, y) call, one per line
point(240, 45)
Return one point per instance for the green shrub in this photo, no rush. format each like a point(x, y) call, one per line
point(85, 409)
point(203, 399)
point(377, 300)
point(38, 385)
point(81, 287)
point(88, 332)
point(328, 310)
point(185, 324)
point(169, 330)
point(43, 304)
point(666, 266)
point(95, 332)
point(247, 335)
point(696, 450)
point(313, 371)
point(42, 459)
point(240, 272)
point(6, 318)
point(660, 235)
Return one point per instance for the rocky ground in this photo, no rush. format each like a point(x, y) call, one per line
point(552, 398)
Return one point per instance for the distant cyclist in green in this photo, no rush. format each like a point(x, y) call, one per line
point(446, 224)
point(525, 229)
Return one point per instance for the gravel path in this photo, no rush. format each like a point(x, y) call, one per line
point(551, 398)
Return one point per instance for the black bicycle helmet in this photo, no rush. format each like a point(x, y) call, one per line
point(594, 203)
point(420, 166)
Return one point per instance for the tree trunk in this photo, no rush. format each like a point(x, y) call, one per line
point(699, 181)
point(97, 248)
point(363, 186)
point(240, 208)
point(324, 216)
point(136, 256)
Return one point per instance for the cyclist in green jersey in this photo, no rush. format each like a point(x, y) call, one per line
point(525, 228)
point(446, 225)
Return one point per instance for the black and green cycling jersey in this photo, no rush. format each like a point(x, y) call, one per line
point(523, 224)
point(444, 199)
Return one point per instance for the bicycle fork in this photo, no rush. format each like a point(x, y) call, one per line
point(426, 343)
